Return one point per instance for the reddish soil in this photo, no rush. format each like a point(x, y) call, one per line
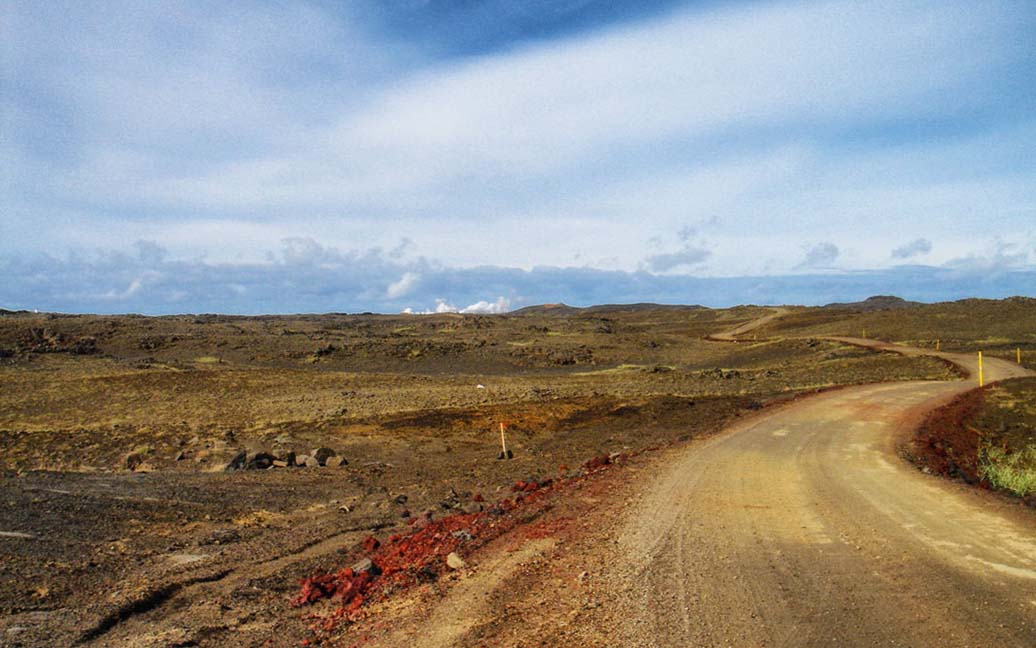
point(947, 443)
point(419, 556)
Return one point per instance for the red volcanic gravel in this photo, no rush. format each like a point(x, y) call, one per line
point(420, 555)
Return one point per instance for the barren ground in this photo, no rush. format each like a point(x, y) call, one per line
point(121, 528)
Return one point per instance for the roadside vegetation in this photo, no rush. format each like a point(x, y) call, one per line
point(1007, 459)
point(1013, 472)
point(986, 436)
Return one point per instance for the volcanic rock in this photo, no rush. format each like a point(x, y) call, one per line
point(237, 462)
point(322, 455)
point(259, 461)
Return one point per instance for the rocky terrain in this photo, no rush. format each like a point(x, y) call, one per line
point(169, 480)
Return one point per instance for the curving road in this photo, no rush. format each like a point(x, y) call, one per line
point(802, 527)
point(731, 335)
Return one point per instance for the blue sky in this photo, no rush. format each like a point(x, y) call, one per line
point(381, 155)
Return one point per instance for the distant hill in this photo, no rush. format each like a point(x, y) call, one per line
point(547, 309)
point(565, 309)
point(876, 303)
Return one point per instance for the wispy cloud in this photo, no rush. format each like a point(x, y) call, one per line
point(687, 257)
point(913, 248)
point(218, 134)
point(821, 255)
point(997, 258)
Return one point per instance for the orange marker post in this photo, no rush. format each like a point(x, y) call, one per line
point(504, 452)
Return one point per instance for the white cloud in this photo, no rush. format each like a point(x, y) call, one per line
point(404, 286)
point(442, 306)
point(501, 305)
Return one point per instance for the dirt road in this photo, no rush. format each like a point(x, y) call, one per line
point(802, 527)
point(731, 335)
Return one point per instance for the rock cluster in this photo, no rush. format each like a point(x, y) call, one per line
point(317, 458)
point(44, 340)
point(725, 374)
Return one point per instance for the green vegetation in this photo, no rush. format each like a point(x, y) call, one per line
point(1007, 455)
point(1014, 472)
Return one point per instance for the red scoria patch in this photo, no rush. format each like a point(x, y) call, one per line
point(420, 554)
point(370, 544)
point(530, 486)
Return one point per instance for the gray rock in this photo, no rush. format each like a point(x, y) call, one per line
point(364, 566)
point(463, 535)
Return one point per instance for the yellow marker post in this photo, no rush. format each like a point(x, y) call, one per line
point(503, 442)
point(938, 343)
point(1018, 352)
point(981, 379)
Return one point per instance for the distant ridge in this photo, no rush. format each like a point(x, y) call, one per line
point(565, 309)
point(876, 303)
